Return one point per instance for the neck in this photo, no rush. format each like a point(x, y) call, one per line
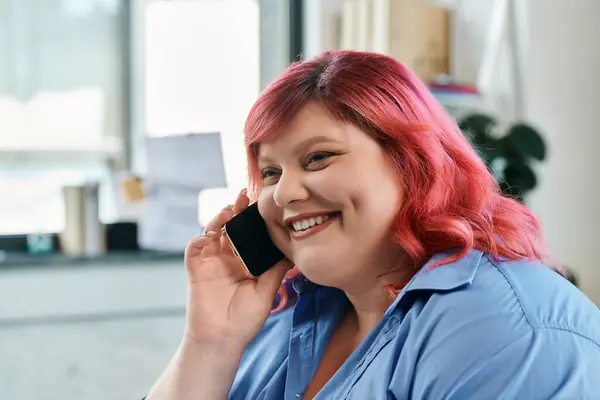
point(370, 299)
point(368, 309)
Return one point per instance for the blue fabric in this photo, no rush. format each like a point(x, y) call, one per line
point(473, 329)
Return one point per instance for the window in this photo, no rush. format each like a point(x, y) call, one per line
point(200, 68)
point(79, 78)
point(61, 73)
point(61, 103)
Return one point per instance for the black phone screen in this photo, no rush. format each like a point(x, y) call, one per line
point(248, 234)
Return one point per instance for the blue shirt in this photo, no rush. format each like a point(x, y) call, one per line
point(473, 329)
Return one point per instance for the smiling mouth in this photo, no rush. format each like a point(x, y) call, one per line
point(307, 226)
point(307, 223)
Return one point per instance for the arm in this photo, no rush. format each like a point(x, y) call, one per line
point(198, 372)
point(541, 364)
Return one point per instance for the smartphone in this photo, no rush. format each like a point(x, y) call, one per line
point(251, 243)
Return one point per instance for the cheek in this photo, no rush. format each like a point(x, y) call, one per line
point(272, 215)
point(268, 209)
point(377, 197)
point(386, 205)
point(333, 186)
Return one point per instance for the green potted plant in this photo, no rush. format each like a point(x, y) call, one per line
point(510, 154)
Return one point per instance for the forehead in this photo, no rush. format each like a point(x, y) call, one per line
point(310, 125)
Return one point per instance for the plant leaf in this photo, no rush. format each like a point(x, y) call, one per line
point(527, 141)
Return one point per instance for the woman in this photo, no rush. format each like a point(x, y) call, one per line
point(413, 277)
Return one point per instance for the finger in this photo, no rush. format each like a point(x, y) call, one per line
point(226, 245)
point(217, 225)
point(202, 244)
point(242, 202)
point(209, 242)
point(213, 246)
point(270, 281)
point(224, 216)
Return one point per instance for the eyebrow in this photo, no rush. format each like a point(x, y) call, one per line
point(303, 145)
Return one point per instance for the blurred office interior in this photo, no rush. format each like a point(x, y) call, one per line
point(121, 135)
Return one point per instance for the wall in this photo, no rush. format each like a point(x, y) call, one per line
point(563, 93)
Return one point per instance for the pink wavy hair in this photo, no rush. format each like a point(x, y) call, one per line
point(451, 200)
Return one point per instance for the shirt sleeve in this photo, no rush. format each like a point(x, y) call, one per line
point(542, 364)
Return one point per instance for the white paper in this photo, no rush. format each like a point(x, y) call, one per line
point(179, 169)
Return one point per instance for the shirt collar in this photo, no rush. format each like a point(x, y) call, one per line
point(445, 277)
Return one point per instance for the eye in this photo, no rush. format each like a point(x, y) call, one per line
point(317, 157)
point(266, 173)
point(269, 175)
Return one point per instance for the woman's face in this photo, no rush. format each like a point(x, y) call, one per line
point(329, 197)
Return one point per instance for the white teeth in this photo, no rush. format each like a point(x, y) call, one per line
point(304, 224)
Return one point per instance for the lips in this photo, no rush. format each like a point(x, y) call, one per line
point(308, 224)
point(304, 224)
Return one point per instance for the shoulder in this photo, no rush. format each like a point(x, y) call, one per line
point(541, 296)
point(503, 328)
point(547, 299)
point(526, 295)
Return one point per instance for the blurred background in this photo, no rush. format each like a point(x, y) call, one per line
point(121, 134)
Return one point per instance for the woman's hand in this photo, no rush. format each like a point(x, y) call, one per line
point(226, 307)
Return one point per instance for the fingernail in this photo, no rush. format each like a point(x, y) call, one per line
point(244, 192)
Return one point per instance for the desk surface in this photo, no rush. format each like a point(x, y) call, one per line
point(142, 258)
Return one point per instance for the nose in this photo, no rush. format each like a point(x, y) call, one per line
point(289, 189)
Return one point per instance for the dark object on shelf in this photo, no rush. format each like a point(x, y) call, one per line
point(18, 243)
point(122, 236)
point(509, 156)
point(13, 243)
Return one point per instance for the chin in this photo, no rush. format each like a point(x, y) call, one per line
point(321, 270)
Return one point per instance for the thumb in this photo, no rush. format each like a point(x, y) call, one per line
point(270, 281)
